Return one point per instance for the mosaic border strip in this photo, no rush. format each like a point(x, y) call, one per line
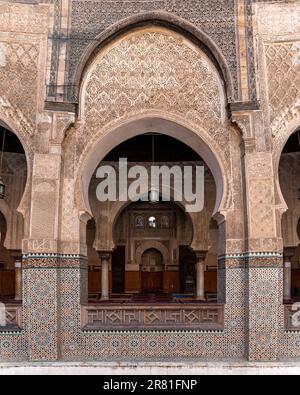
point(40, 261)
point(249, 255)
point(151, 332)
point(17, 333)
point(54, 255)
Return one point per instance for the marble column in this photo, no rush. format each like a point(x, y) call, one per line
point(105, 260)
point(287, 273)
point(18, 280)
point(200, 273)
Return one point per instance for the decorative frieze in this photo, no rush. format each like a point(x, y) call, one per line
point(24, 18)
point(13, 317)
point(251, 260)
point(51, 261)
point(145, 317)
point(292, 318)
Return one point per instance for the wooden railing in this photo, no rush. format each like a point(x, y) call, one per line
point(147, 317)
point(292, 317)
point(13, 316)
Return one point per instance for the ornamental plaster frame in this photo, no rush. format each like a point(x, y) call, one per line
point(162, 19)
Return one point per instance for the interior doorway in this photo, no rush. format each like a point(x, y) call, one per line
point(118, 270)
point(152, 272)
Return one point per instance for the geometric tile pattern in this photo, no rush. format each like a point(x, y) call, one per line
point(55, 286)
point(53, 328)
point(265, 300)
point(41, 312)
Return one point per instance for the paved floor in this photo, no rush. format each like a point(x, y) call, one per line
point(147, 368)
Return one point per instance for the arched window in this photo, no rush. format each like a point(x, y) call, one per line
point(152, 222)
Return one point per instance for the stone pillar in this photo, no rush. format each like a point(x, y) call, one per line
point(287, 273)
point(200, 272)
point(51, 265)
point(263, 257)
point(40, 261)
point(105, 259)
point(18, 280)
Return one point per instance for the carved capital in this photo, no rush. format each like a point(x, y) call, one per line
point(244, 121)
point(200, 255)
point(289, 252)
point(61, 122)
point(249, 145)
point(105, 256)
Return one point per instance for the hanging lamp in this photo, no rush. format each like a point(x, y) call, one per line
point(2, 185)
point(154, 193)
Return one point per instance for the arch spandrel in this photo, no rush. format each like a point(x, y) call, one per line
point(147, 70)
point(168, 21)
point(152, 78)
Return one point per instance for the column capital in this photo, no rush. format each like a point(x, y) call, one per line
point(289, 252)
point(104, 255)
point(201, 255)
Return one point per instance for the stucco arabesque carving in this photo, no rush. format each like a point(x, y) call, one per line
point(244, 121)
point(138, 76)
point(61, 123)
point(14, 115)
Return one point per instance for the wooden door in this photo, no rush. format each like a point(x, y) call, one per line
point(118, 270)
point(152, 282)
point(187, 270)
point(152, 272)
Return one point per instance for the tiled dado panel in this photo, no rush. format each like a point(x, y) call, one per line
point(167, 345)
point(13, 347)
point(265, 312)
point(55, 288)
point(289, 346)
point(51, 302)
point(40, 312)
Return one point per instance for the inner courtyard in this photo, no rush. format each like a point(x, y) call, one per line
point(87, 87)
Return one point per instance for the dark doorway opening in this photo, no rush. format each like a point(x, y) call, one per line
point(118, 270)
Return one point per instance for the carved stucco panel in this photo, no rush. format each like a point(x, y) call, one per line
point(283, 65)
point(69, 222)
point(261, 196)
point(262, 221)
point(278, 19)
point(19, 84)
point(44, 199)
point(152, 70)
point(25, 18)
point(47, 166)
